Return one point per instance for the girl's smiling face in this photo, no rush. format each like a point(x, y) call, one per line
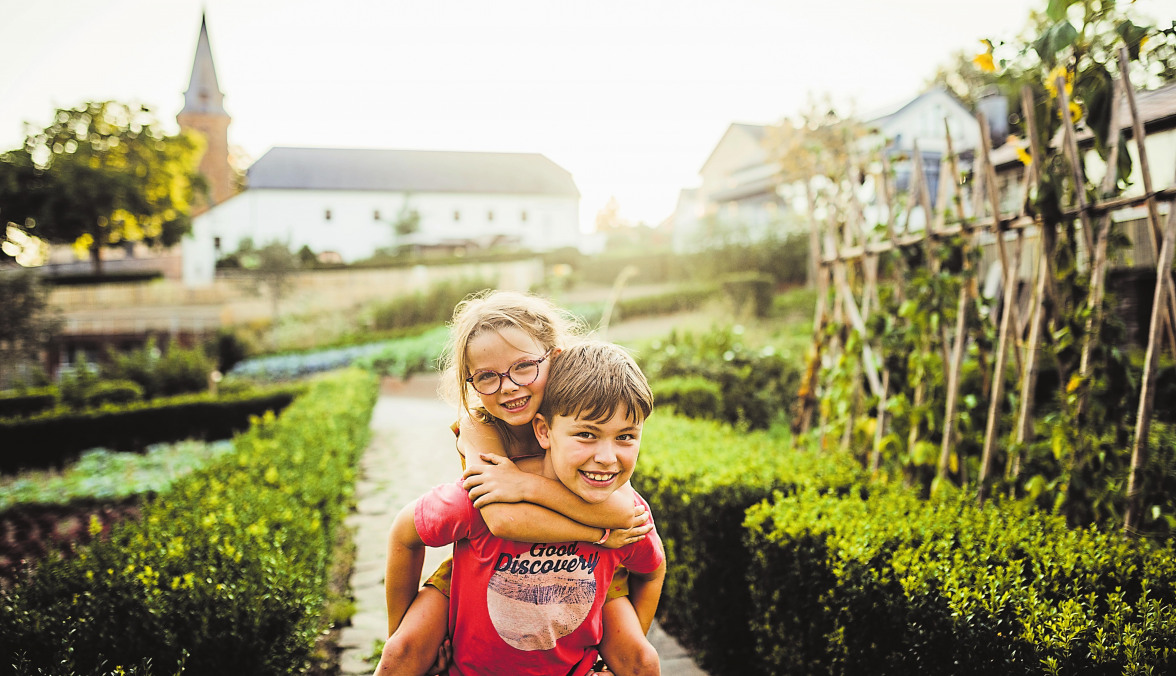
point(498, 351)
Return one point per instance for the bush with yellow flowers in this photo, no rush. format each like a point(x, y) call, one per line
point(226, 573)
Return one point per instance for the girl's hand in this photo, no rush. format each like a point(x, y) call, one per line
point(641, 525)
point(496, 481)
point(444, 657)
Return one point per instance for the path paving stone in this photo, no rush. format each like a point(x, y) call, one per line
point(411, 451)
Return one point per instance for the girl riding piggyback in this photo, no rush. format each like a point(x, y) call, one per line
point(495, 370)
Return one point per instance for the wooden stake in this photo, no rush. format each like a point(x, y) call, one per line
point(956, 358)
point(880, 423)
point(1071, 151)
point(1043, 276)
point(991, 430)
point(1098, 269)
point(1147, 393)
point(1153, 214)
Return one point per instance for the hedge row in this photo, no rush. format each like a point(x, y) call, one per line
point(223, 574)
point(786, 561)
point(699, 478)
point(894, 584)
point(17, 403)
point(53, 438)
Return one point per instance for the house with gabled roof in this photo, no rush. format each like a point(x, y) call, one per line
point(738, 188)
point(347, 203)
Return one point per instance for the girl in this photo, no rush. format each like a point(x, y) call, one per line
point(500, 351)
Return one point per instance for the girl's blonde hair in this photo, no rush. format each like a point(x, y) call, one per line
point(550, 327)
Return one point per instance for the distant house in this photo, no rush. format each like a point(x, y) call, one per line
point(925, 121)
point(740, 182)
point(738, 188)
point(346, 204)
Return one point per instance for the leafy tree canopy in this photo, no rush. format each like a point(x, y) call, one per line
point(102, 174)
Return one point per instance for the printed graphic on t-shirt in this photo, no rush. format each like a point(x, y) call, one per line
point(539, 596)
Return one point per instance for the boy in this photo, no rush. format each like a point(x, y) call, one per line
point(520, 608)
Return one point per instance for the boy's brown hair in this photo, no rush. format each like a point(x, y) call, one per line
point(593, 380)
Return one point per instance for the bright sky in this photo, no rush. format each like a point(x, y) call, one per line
point(630, 96)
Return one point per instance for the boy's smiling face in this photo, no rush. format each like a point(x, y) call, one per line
point(592, 458)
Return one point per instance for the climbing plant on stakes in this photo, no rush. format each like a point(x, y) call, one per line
point(1032, 392)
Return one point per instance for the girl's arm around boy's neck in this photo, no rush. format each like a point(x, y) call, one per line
point(524, 506)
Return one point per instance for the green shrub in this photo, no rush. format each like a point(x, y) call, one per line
point(896, 584)
point(113, 392)
point(690, 396)
point(73, 384)
point(230, 348)
point(749, 292)
point(402, 358)
point(27, 402)
point(52, 438)
point(757, 386)
point(432, 306)
point(699, 478)
point(176, 370)
point(225, 573)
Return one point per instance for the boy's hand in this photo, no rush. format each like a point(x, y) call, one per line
point(619, 537)
point(499, 480)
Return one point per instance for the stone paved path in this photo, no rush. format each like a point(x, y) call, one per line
point(411, 451)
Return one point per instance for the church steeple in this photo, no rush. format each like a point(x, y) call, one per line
point(204, 95)
point(204, 112)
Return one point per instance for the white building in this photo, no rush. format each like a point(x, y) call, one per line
point(345, 204)
point(348, 201)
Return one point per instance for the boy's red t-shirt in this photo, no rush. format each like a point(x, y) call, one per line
point(520, 608)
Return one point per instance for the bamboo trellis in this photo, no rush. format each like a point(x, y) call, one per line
point(854, 248)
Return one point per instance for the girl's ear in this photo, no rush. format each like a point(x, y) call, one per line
point(542, 431)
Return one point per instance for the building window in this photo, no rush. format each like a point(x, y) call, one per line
point(216, 243)
point(523, 216)
point(376, 215)
point(490, 215)
point(456, 215)
point(327, 215)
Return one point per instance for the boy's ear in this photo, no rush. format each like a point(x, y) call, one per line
point(542, 431)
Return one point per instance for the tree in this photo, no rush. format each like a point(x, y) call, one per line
point(273, 269)
point(812, 155)
point(27, 322)
point(101, 174)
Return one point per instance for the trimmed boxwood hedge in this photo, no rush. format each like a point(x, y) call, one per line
point(226, 573)
point(784, 561)
point(699, 478)
point(894, 584)
point(27, 402)
point(55, 437)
